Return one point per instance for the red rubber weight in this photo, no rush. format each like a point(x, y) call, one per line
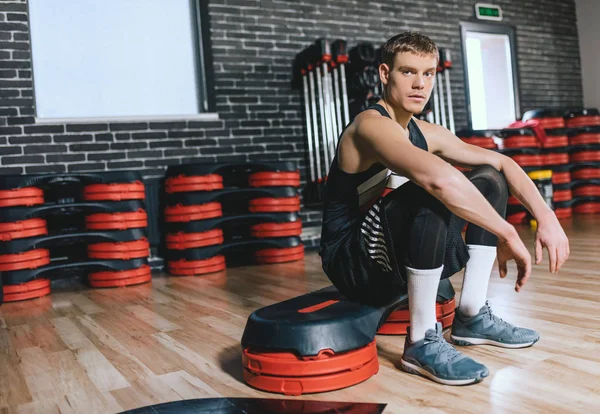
point(441, 309)
point(400, 328)
point(587, 191)
point(556, 141)
point(121, 251)
point(587, 208)
point(120, 282)
point(183, 184)
point(25, 192)
point(586, 174)
point(562, 213)
point(562, 195)
point(516, 218)
point(583, 121)
point(179, 213)
point(274, 179)
point(264, 230)
point(273, 205)
point(487, 143)
point(117, 221)
point(555, 159)
point(114, 192)
point(197, 267)
point(513, 201)
point(283, 255)
point(585, 138)
point(35, 254)
point(25, 201)
point(183, 241)
point(521, 141)
point(349, 372)
point(119, 275)
point(528, 160)
point(24, 291)
point(561, 177)
point(584, 156)
point(23, 229)
point(551, 122)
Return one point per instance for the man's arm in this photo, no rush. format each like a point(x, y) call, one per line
point(550, 234)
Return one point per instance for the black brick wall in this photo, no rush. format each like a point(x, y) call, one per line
point(254, 42)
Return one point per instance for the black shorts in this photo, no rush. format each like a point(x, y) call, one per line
point(368, 266)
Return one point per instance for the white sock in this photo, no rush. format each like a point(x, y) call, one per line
point(422, 291)
point(477, 277)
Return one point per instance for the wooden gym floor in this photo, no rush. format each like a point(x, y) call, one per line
point(179, 338)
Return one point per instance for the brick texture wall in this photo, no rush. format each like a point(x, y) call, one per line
point(260, 116)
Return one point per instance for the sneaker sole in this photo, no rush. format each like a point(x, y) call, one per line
point(458, 340)
point(415, 369)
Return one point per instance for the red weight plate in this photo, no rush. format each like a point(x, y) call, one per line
point(29, 224)
point(528, 160)
point(561, 177)
point(289, 229)
point(25, 192)
point(181, 213)
point(587, 191)
point(280, 259)
point(288, 364)
point(35, 254)
point(121, 250)
point(182, 184)
point(117, 221)
point(183, 241)
point(27, 287)
point(121, 274)
point(487, 143)
point(556, 141)
point(562, 195)
point(197, 267)
point(277, 252)
point(521, 141)
point(271, 205)
point(555, 159)
point(583, 121)
point(120, 282)
point(562, 213)
point(274, 183)
point(441, 309)
point(114, 196)
point(585, 138)
point(26, 201)
point(551, 122)
point(513, 201)
point(516, 218)
point(586, 174)
point(274, 179)
point(33, 294)
point(584, 156)
point(399, 327)
point(587, 208)
point(6, 236)
point(298, 385)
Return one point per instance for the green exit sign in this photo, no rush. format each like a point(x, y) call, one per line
point(488, 12)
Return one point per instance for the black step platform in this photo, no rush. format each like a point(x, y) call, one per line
point(12, 214)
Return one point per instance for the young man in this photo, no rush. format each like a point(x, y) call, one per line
point(375, 247)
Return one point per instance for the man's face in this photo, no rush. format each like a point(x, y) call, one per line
point(409, 82)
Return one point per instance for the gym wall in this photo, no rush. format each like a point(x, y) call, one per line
point(260, 117)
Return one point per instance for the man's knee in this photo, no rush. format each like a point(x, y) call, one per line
point(495, 180)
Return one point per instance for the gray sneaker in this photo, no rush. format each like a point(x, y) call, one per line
point(485, 328)
point(434, 358)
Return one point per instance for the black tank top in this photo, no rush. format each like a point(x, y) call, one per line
point(348, 195)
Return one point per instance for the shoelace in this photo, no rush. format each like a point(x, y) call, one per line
point(446, 350)
point(495, 318)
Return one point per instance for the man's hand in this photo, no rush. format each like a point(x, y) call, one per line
point(513, 248)
point(551, 235)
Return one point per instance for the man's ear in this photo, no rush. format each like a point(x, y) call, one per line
point(384, 73)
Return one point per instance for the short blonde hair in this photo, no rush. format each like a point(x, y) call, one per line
point(407, 42)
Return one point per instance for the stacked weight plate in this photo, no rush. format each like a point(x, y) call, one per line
point(65, 225)
point(524, 148)
point(584, 138)
point(555, 155)
point(231, 213)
